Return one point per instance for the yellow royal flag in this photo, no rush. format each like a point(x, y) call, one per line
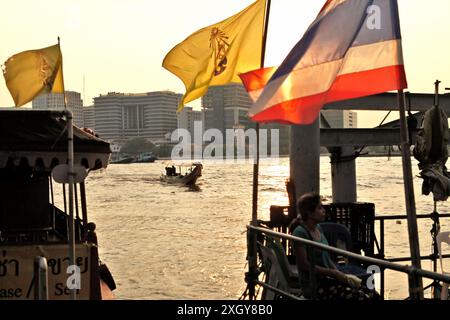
point(217, 54)
point(32, 72)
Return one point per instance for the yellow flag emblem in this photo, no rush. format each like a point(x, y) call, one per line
point(29, 73)
point(220, 46)
point(217, 54)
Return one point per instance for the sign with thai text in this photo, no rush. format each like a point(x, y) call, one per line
point(16, 271)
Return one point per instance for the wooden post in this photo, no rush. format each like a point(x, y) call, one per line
point(415, 283)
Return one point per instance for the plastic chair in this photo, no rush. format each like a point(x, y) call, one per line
point(443, 237)
point(289, 270)
point(274, 274)
point(359, 218)
point(338, 236)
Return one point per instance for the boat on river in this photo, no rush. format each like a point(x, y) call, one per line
point(146, 157)
point(192, 173)
point(123, 160)
point(34, 221)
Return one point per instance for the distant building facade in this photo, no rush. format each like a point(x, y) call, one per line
point(89, 117)
point(55, 101)
point(120, 117)
point(341, 118)
point(187, 118)
point(226, 107)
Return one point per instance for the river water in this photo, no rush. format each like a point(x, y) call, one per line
point(170, 242)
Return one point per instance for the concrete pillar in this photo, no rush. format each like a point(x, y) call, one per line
point(343, 174)
point(305, 158)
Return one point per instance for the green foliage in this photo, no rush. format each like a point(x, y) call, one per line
point(136, 146)
point(165, 150)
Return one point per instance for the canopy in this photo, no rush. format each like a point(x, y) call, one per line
point(39, 139)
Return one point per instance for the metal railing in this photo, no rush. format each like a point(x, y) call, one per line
point(383, 264)
point(434, 216)
point(383, 219)
point(40, 278)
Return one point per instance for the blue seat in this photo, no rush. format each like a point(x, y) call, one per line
point(338, 236)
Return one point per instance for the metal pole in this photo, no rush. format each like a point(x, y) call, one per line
point(51, 191)
point(382, 276)
point(436, 92)
point(83, 208)
point(40, 278)
point(64, 197)
point(77, 213)
point(415, 283)
point(256, 164)
point(71, 174)
point(252, 248)
point(255, 180)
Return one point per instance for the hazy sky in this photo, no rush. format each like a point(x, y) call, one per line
point(119, 45)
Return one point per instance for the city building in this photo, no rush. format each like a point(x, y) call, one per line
point(341, 118)
point(89, 117)
point(55, 101)
point(120, 117)
point(187, 117)
point(226, 107)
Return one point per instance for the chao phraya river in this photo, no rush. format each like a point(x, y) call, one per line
point(169, 242)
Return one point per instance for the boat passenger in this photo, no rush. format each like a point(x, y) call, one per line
point(331, 283)
point(171, 171)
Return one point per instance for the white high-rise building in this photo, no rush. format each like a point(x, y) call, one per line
point(55, 101)
point(89, 117)
point(152, 115)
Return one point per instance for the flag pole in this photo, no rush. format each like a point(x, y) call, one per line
point(415, 282)
point(256, 164)
point(70, 173)
point(252, 256)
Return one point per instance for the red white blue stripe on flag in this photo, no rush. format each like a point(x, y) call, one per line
point(352, 49)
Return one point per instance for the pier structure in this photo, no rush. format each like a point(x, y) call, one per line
point(343, 143)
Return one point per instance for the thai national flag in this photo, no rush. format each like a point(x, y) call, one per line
point(352, 49)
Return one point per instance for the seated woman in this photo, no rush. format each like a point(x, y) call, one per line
point(331, 283)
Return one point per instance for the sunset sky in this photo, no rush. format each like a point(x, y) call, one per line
point(119, 45)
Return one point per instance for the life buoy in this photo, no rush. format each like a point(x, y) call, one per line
point(90, 131)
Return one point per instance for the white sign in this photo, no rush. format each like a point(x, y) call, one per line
point(16, 271)
point(60, 173)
